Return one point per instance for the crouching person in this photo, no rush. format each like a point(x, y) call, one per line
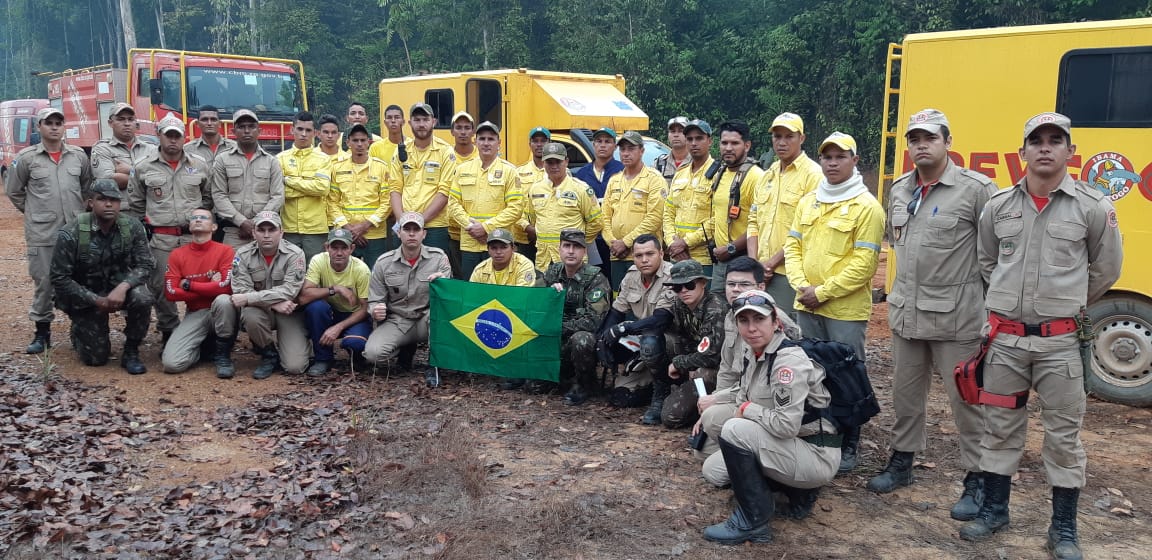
point(766, 442)
point(267, 275)
point(695, 339)
point(335, 300)
point(101, 265)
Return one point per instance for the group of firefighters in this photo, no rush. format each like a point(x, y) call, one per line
point(693, 269)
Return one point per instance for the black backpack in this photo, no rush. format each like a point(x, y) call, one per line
point(846, 378)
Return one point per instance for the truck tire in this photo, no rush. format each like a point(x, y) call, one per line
point(1122, 363)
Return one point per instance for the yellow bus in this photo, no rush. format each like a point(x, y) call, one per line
point(989, 82)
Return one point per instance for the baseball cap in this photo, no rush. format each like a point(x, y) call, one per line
point(682, 121)
point(845, 142)
point(267, 217)
point(604, 130)
point(488, 125)
point(358, 127)
point(340, 235)
point(464, 115)
point(1048, 119)
point(928, 120)
point(170, 122)
point(120, 108)
point(423, 108)
point(106, 188)
point(540, 130)
point(574, 236)
point(756, 300)
point(500, 234)
point(631, 137)
point(554, 150)
point(686, 271)
point(47, 112)
point(244, 114)
point(411, 218)
point(697, 123)
point(791, 121)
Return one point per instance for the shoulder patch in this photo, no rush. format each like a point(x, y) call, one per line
point(785, 375)
point(704, 345)
point(591, 193)
point(1112, 221)
point(595, 295)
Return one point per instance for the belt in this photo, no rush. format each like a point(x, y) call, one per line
point(824, 440)
point(170, 230)
point(1047, 328)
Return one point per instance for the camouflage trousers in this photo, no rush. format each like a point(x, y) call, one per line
point(90, 330)
point(578, 357)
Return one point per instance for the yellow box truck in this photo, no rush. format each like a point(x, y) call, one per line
point(518, 100)
point(989, 82)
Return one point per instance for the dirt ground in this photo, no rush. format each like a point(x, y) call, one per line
point(377, 466)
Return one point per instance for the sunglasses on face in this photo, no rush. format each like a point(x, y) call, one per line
point(681, 287)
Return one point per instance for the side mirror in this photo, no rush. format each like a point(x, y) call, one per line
point(156, 88)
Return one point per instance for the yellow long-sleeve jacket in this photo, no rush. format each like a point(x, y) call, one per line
point(306, 184)
point(571, 204)
point(688, 208)
point(359, 193)
point(423, 176)
point(774, 204)
point(490, 196)
point(633, 207)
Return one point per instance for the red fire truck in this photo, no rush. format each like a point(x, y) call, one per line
point(158, 82)
point(17, 128)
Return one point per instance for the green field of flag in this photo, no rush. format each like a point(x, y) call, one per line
point(507, 331)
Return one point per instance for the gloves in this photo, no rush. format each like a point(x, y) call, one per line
point(614, 333)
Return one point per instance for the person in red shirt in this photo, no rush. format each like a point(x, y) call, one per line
point(197, 273)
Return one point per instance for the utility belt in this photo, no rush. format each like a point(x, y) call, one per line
point(1055, 327)
point(825, 440)
point(170, 230)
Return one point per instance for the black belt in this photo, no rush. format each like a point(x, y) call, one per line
point(824, 440)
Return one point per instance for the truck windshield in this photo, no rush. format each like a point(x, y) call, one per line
point(272, 95)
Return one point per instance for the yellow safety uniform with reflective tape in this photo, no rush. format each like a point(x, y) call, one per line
point(633, 207)
point(529, 175)
point(306, 185)
point(383, 149)
point(490, 196)
point(359, 193)
point(453, 229)
point(570, 205)
point(519, 272)
point(688, 209)
point(422, 177)
point(774, 204)
point(721, 230)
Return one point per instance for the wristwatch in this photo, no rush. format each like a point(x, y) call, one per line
point(731, 248)
point(332, 291)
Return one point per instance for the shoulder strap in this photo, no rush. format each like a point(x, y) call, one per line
point(125, 232)
point(83, 236)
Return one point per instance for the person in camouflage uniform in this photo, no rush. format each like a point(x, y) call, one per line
point(694, 342)
point(585, 304)
point(101, 265)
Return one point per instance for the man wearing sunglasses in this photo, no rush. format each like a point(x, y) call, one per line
point(695, 338)
point(936, 306)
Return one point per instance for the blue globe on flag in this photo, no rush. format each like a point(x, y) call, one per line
point(494, 328)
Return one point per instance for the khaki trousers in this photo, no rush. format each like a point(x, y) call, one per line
point(790, 461)
point(390, 335)
point(167, 315)
point(39, 268)
point(291, 338)
point(183, 349)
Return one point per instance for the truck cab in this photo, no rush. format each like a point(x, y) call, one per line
point(17, 129)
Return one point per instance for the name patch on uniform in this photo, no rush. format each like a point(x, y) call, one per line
point(568, 195)
point(785, 376)
point(1007, 216)
point(704, 345)
point(1007, 247)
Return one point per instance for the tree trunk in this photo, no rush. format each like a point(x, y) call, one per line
point(160, 22)
point(129, 26)
point(252, 27)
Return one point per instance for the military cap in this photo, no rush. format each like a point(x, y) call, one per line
point(340, 235)
point(500, 234)
point(540, 130)
point(170, 122)
point(358, 127)
point(681, 121)
point(411, 217)
point(423, 108)
point(697, 123)
point(488, 125)
point(928, 120)
point(554, 150)
point(604, 130)
point(631, 137)
point(106, 188)
point(267, 217)
point(574, 236)
point(686, 271)
point(463, 115)
point(1048, 119)
point(120, 108)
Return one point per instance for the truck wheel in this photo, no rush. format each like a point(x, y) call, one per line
point(1122, 361)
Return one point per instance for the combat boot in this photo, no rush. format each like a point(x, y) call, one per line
point(130, 358)
point(225, 369)
point(898, 473)
point(750, 521)
point(579, 391)
point(1063, 543)
point(42, 340)
point(969, 504)
point(993, 514)
point(405, 356)
point(660, 391)
point(269, 363)
point(848, 450)
point(800, 502)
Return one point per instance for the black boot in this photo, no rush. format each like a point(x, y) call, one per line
point(969, 504)
point(898, 473)
point(800, 502)
point(42, 340)
point(130, 358)
point(269, 363)
point(1063, 543)
point(750, 520)
point(993, 514)
point(579, 391)
point(660, 391)
point(225, 369)
point(405, 356)
point(432, 377)
point(848, 450)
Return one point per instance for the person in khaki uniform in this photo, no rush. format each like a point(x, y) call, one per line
point(419, 183)
point(166, 187)
point(485, 195)
point(936, 303)
point(245, 180)
point(267, 275)
point(689, 204)
point(114, 158)
point(359, 199)
point(1048, 247)
point(790, 177)
point(306, 184)
point(633, 205)
point(46, 183)
point(398, 293)
point(529, 174)
point(768, 440)
point(559, 202)
point(210, 142)
point(504, 266)
point(732, 189)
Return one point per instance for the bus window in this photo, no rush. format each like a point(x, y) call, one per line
point(20, 130)
point(1106, 88)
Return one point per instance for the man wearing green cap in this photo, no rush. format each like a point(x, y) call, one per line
point(335, 300)
point(559, 202)
point(633, 205)
point(504, 267)
point(484, 196)
point(529, 174)
point(101, 265)
point(596, 175)
point(695, 338)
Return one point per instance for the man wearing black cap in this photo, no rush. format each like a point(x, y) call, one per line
point(101, 265)
point(49, 202)
point(335, 300)
point(245, 180)
point(420, 183)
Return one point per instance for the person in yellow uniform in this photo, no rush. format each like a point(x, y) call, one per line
point(689, 202)
point(328, 130)
point(529, 174)
point(385, 149)
point(732, 188)
point(485, 195)
point(505, 267)
point(306, 185)
point(359, 199)
point(790, 177)
point(559, 202)
point(633, 205)
point(464, 133)
point(420, 183)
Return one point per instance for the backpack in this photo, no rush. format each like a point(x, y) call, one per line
point(84, 235)
point(846, 379)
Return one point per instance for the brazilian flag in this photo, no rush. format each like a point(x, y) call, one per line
point(508, 331)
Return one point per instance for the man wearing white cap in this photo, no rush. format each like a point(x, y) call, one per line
point(485, 195)
point(245, 180)
point(114, 158)
point(167, 185)
point(46, 183)
point(1048, 247)
point(667, 164)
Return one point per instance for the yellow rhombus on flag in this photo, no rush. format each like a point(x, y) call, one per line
point(494, 328)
